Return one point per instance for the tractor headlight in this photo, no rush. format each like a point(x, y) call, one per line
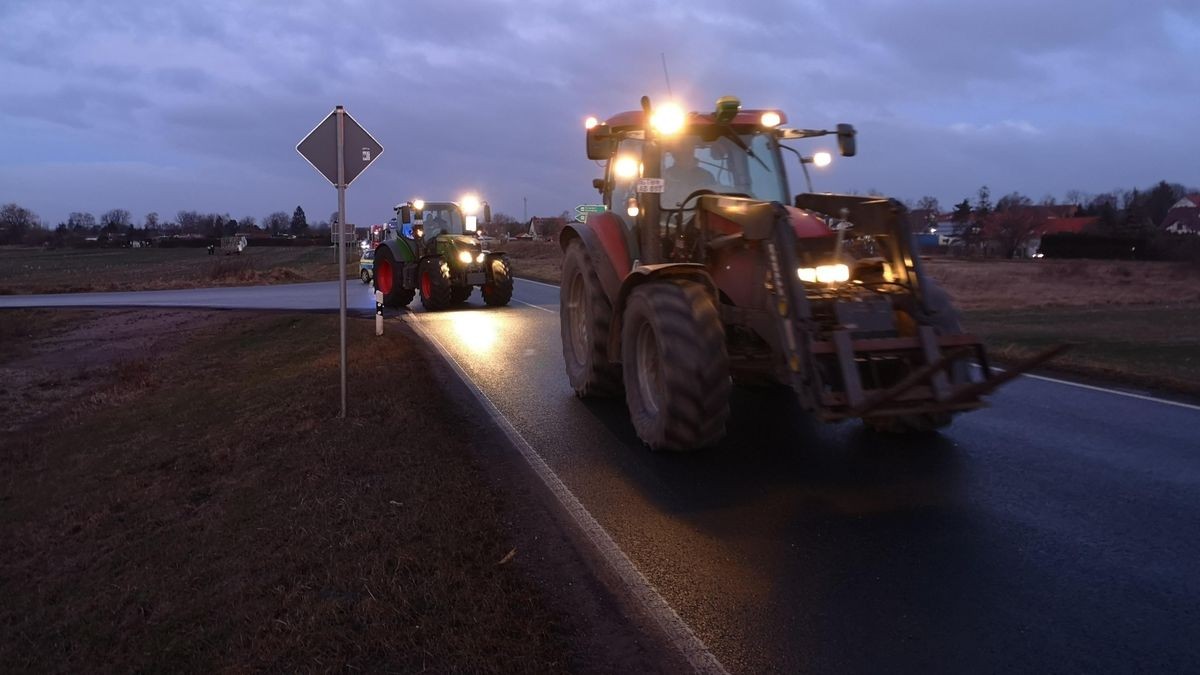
point(824, 274)
point(479, 258)
point(469, 204)
point(770, 119)
point(464, 257)
point(627, 167)
point(667, 119)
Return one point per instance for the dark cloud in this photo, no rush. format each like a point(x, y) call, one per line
point(205, 101)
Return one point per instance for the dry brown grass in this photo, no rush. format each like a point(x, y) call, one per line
point(538, 260)
point(31, 270)
point(203, 510)
point(1021, 284)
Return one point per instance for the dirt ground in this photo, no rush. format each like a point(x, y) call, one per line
point(34, 270)
point(177, 495)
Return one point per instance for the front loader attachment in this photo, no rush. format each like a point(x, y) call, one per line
point(838, 369)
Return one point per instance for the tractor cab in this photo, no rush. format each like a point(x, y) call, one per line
point(659, 163)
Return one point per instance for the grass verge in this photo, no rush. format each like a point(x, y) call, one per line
point(31, 270)
point(203, 510)
point(1157, 347)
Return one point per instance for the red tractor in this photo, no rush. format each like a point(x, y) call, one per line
point(702, 271)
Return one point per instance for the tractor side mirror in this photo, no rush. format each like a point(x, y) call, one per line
point(598, 183)
point(405, 214)
point(487, 213)
point(599, 142)
point(846, 143)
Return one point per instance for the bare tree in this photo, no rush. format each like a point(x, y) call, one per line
point(1077, 197)
point(189, 221)
point(115, 220)
point(277, 222)
point(150, 222)
point(81, 222)
point(928, 203)
point(16, 222)
point(1013, 224)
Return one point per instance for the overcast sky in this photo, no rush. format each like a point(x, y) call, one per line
point(163, 106)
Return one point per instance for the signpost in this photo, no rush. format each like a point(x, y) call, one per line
point(340, 150)
point(339, 233)
point(584, 210)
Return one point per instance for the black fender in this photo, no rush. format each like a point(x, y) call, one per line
point(489, 256)
point(643, 274)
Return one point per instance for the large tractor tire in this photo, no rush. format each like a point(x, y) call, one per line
point(676, 367)
point(586, 318)
point(945, 320)
point(388, 279)
point(459, 294)
point(497, 292)
point(434, 278)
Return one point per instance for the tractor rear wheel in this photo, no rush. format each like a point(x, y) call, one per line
point(944, 319)
point(459, 294)
point(388, 279)
point(676, 366)
point(586, 318)
point(434, 276)
point(498, 291)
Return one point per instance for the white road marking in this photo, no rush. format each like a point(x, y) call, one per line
point(544, 309)
point(1118, 392)
point(677, 631)
point(539, 283)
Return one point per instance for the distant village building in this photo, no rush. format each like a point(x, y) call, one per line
point(1184, 216)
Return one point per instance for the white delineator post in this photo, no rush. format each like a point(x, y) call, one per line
point(379, 312)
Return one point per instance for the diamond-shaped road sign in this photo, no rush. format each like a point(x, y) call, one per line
point(319, 147)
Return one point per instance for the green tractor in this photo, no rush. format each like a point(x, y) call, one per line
point(434, 250)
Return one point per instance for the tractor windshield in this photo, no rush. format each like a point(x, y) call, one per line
point(442, 219)
point(709, 161)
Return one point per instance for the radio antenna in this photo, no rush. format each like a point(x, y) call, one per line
point(666, 76)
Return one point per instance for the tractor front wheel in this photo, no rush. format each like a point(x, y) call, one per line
point(676, 366)
point(434, 275)
point(388, 280)
point(586, 318)
point(459, 294)
point(498, 290)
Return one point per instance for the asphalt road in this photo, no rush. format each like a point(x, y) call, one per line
point(1056, 531)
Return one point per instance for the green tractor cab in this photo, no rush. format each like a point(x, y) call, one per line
point(434, 249)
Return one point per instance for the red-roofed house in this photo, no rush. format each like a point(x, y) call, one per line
point(1021, 230)
point(1184, 216)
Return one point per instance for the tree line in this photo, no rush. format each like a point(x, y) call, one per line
point(21, 226)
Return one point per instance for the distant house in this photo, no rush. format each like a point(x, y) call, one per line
point(1029, 225)
point(1072, 225)
point(543, 228)
point(1184, 216)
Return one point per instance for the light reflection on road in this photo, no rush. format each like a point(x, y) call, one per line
point(477, 331)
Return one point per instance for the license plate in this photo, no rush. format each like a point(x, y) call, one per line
point(476, 278)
